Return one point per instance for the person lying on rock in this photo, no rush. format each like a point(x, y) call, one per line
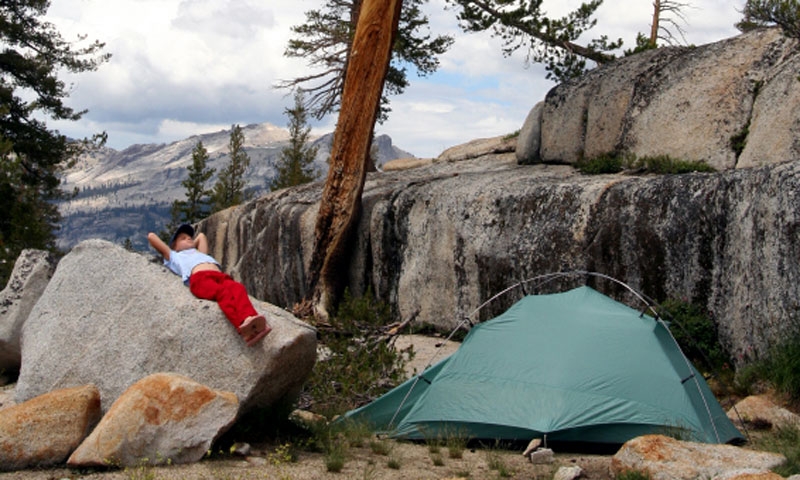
point(187, 256)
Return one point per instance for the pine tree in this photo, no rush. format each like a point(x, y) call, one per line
point(784, 13)
point(552, 41)
point(324, 42)
point(230, 187)
point(197, 205)
point(32, 156)
point(295, 164)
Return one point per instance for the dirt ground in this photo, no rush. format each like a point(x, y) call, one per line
point(395, 460)
point(403, 461)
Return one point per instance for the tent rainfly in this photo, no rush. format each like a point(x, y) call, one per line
point(575, 366)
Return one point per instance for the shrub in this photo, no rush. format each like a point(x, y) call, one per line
point(380, 447)
point(512, 135)
point(494, 460)
point(664, 164)
point(659, 164)
point(782, 367)
point(633, 475)
point(696, 334)
point(606, 163)
point(361, 363)
point(335, 457)
point(739, 141)
point(786, 441)
point(456, 445)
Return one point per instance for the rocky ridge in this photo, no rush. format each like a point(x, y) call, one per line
point(124, 194)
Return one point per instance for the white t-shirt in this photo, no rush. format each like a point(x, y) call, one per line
point(184, 261)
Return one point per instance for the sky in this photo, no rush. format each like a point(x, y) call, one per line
point(186, 67)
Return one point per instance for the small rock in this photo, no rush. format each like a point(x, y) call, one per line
point(257, 461)
point(306, 418)
point(568, 473)
point(532, 446)
point(542, 456)
point(241, 449)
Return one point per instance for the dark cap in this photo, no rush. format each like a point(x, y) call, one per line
point(185, 228)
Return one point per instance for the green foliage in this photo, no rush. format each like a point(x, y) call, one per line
point(230, 187)
point(336, 456)
point(512, 135)
point(633, 475)
point(32, 156)
point(696, 333)
point(784, 13)
point(739, 141)
point(782, 367)
point(786, 441)
point(197, 205)
point(606, 163)
point(664, 164)
point(380, 447)
point(456, 446)
point(361, 364)
point(494, 460)
point(324, 41)
point(295, 164)
point(658, 164)
point(642, 43)
point(551, 41)
point(283, 454)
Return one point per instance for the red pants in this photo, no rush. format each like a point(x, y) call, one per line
point(230, 295)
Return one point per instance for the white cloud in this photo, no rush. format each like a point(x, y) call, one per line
point(184, 67)
point(169, 128)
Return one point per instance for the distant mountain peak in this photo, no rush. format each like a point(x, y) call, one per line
point(124, 193)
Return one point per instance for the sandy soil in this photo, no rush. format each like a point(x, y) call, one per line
point(403, 461)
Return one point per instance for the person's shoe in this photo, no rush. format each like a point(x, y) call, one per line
point(254, 329)
point(258, 336)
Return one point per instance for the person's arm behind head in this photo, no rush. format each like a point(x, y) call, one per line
point(159, 245)
point(201, 243)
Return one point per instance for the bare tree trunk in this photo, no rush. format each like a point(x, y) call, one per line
point(341, 197)
point(654, 26)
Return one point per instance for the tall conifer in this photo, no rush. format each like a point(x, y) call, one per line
point(230, 187)
point(295, 164)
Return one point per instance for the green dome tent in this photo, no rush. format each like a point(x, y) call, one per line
point(575, 366)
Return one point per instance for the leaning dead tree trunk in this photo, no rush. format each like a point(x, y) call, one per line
point(341, 196)
point(654, 26)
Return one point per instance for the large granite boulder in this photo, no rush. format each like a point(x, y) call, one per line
point(31, 273)
point(665, 458)
point(436, 242)
point(730, 104)
point(110, 317)
point(162, 419)
point(45, 430)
